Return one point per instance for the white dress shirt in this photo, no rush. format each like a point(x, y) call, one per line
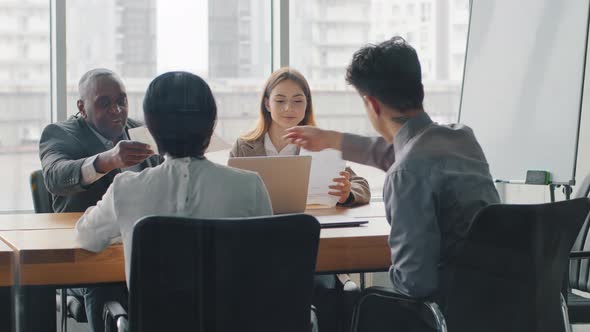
point(185, 187)
point(89, 173)
point(271, 151)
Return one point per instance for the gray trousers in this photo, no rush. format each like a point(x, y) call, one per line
point(94, 299)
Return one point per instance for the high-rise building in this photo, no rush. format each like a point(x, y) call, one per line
point(24, 71)
point(137, 55)
point(325, 33)
point(239, 38)
point(24, 40)
point(116, 34)
point(436, 28)
point(119, 35)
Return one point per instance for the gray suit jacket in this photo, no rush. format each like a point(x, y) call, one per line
point(63, 148)
point(359, 187)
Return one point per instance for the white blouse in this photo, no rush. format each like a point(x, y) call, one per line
point(186, 187)
point(289, 150)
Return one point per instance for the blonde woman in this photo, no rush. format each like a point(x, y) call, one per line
point(285, 103)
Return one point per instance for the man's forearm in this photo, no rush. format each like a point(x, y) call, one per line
point(371, 151)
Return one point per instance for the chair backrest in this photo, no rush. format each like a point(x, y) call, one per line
point(579, 269)
point(249, 274)
point(42, 200)
point(509, 275)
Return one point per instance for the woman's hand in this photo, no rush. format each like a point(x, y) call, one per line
point(342, 187)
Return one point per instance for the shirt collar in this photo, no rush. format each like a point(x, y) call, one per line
point(107, 142)
point(410, 129)
point(271, 150)
point(168, 159)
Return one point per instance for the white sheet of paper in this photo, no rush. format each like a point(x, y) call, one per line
point(325, 166)
point(142, 134)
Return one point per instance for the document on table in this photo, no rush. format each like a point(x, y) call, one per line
point(325, 166)
point(142, 134)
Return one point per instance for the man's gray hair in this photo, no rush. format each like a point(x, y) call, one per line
point(90, 76)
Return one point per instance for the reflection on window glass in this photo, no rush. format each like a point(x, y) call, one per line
point(24, 96)
point(423, 23)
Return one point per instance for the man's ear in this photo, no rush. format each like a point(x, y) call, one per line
point(373, 105)
point(80, 105)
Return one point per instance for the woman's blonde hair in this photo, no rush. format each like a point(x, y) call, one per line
point(264, 118)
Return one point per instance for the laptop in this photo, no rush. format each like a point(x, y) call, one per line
point(286, 178)
point(339, 221)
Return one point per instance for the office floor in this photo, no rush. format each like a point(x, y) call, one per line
point(372, 279)
point(74, 327)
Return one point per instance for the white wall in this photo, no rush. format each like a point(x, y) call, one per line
point(522, 194)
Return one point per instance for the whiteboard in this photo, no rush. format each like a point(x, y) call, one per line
point(523, 82)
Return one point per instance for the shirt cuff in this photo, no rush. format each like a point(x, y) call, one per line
point(89, 173)
point(349, 200)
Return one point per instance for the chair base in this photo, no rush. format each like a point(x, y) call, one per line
point(578, 309)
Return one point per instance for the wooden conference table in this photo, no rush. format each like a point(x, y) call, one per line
point(6, 282)
point(48, 256)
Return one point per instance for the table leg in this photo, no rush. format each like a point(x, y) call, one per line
point(36, 309)
point(6, 309)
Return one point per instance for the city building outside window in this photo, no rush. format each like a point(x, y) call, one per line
point(228, 43)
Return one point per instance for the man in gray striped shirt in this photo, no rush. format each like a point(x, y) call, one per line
point(437, 175)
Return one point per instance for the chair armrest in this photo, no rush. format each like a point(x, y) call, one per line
point(579, 255)
point(376, 303)
point(390, 293)
point(114, 312)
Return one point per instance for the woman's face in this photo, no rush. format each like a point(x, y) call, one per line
point(286, 104)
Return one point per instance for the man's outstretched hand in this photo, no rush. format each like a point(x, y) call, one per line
point(313, 138)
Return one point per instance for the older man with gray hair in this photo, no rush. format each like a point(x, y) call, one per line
point(82, 155)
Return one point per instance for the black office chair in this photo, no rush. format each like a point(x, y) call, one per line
point(507, 277)
point(42, 200)
point(379, 309)
point(43, 203)
point(249, 274)
point(579, 269)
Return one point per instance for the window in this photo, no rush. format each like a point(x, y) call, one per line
point(411, 7)
point(226, 43)
point(337, 105)
point(425, 12)
point(24, 97)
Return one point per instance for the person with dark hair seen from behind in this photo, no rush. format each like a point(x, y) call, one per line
point(180, 113)
point(437, 175)
point(81, 156)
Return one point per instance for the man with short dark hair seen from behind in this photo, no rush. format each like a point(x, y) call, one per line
point(81, 156)
point(437, 175)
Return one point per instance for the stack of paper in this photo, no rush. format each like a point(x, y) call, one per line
point(325, 166)
point(142, 134)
